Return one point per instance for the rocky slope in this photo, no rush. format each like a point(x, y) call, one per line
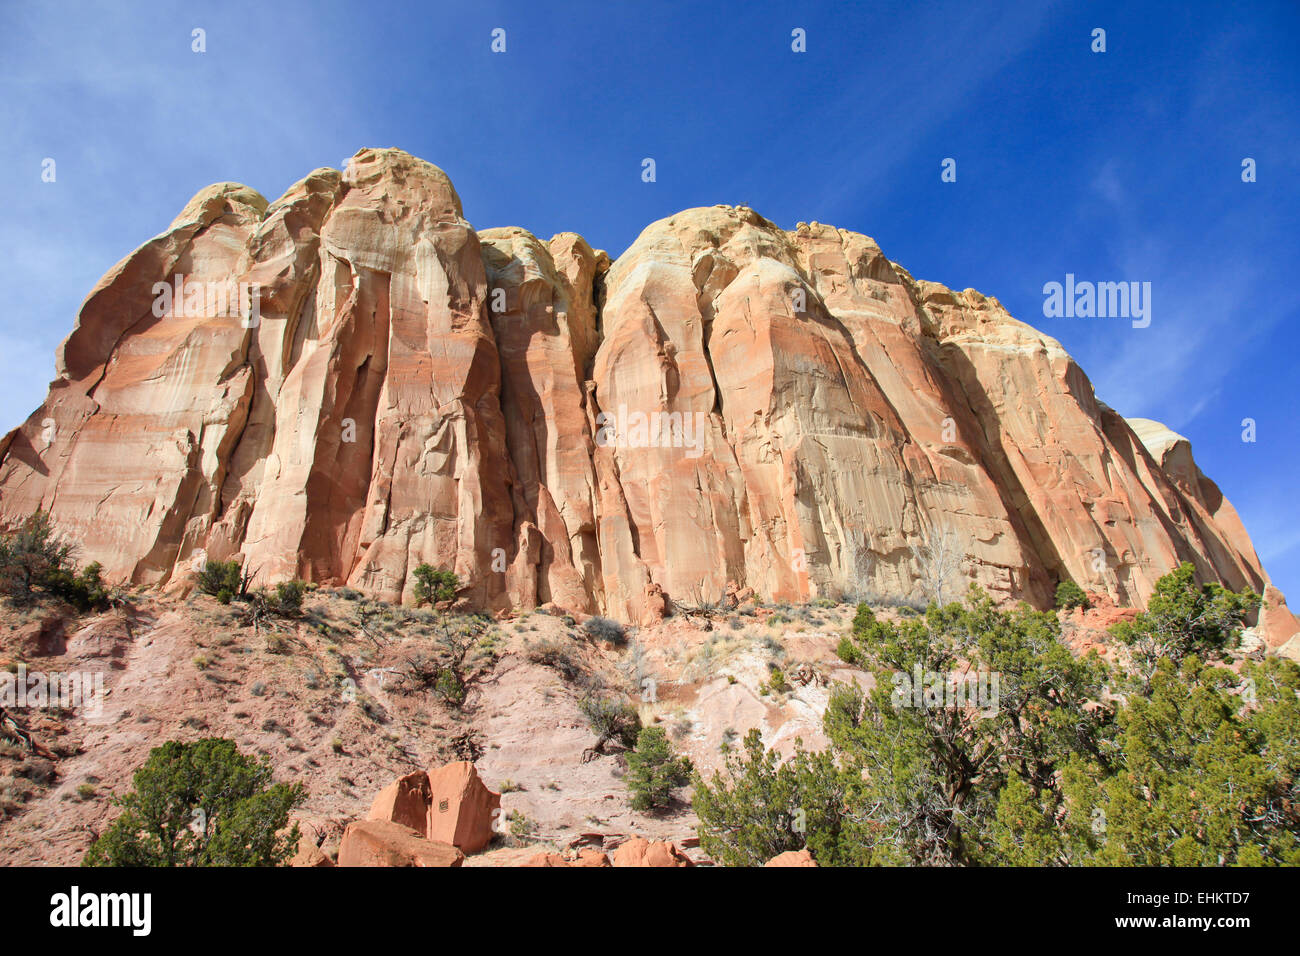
point(726, 403)
point(328, 699)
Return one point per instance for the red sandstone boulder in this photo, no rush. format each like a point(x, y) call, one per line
point(461, 807)
point(310, 852)
point(382, 843)
point(792, 858)
point(593, 858)
point(641, 852)
point(405, 801)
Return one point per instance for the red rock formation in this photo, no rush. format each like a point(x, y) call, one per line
point(727, 404)
point(461, 808)
point(406, 801)
point(545, 324)
point(592, 858)
point(309, 854)
point(381, 843)
point(448, 804)
point(638, 851)
point(1278, 627)
point(792, 858)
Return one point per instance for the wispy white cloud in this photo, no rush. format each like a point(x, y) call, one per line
point(136, 123)
point(920, 99)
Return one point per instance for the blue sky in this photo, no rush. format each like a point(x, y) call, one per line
point(1123, 165)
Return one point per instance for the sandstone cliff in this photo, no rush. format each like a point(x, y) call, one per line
point(726, 403)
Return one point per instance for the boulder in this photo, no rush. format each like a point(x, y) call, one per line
point(637, 851)
point(382, 843)
point(406, 801)
point(590, 858)
point(792, 858)
point(309, 853)
point(461, 808)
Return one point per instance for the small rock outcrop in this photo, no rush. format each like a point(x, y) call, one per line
point(461, 807)
point(447, 804)
point(638, 851)
point(792, 858)
point(592, 858)
point(309, 853)
point(381, 843)
point(1278, 627)
point(404, 801)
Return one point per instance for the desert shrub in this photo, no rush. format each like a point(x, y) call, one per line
point(201, 804)
point(603, 629)
point(1069, 594)
point(762, 805)
point(29, 556)
point(433, 585)
point(612, 719)
point(1201, 781)
point(33, 561)
point(85, 590)
point(846, 651)
point(288, 596)
point(556, 656)
point(523, 831)
point(219, 576)
point(776, 683)
point(654, 770)
point(262, 607)
point(463, 656)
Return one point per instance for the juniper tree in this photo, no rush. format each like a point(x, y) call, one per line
point(201, 804)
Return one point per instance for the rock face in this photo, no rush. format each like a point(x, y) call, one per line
point(1278, 627)
point(727, 404)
